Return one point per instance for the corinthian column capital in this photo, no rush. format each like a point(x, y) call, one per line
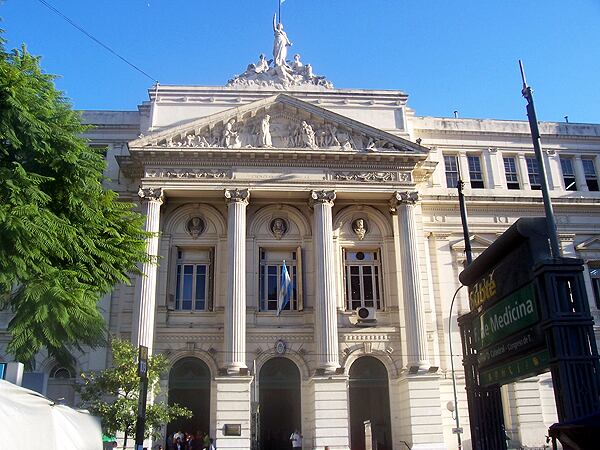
point(237, 195)
point(323, 196)
point(151, 194)
point(403, 198)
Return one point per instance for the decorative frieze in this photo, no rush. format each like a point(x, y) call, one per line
point(373, 177)
point(188, 173)
point(351, 337)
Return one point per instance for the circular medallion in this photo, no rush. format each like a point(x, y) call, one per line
point(280, 347)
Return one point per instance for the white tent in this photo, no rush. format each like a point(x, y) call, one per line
point(30, 420)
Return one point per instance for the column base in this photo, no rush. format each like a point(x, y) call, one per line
point(331, 421)
point(236, 368)
point(328, 369)
point(423, 366)
point(233, 408)
point(420, 418)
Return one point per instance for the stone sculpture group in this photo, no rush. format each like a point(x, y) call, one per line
point(263, 130)
point(278, 72)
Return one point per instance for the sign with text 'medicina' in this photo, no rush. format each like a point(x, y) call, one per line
point(505, 324)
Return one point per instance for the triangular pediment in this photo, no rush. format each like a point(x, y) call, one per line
point(589, 245)
point(478, 244)
point(280, 122)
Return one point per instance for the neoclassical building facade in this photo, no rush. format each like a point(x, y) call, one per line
point(356, 195)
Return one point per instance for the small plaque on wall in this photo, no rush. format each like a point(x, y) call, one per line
point(232, 429)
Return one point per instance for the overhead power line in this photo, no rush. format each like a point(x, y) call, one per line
point(97, 41)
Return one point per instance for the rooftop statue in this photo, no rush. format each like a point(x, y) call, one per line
point(279, 73)
point(281, 43)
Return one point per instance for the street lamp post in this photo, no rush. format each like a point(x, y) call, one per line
point(468, 253)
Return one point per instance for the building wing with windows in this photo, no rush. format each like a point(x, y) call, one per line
point(355, 194)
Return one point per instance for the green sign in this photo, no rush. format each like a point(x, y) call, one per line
point(512, 314)
point(522, 342)
point(524, 367)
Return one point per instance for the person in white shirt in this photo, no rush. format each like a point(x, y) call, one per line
point(296, 440)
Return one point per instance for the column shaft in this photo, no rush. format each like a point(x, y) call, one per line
point(414, 309)
point(144, 333)
point(579, 174)
point(325, 289)
point(235, 310)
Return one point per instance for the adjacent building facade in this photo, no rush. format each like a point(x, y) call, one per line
point(355, 196)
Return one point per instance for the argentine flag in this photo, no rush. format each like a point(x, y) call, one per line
point(285, 289)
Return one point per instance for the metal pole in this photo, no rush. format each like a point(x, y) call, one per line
point(535, 136)
point(141, 418)
point(279, 11)
point(458, 438)
point(463, 218)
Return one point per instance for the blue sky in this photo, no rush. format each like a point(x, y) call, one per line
point(447, 55)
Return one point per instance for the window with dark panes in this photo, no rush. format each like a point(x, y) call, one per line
point(534, 173)
point(591, 178)
point(451, 164)
point(595, 276)
point(475, 173)
point(510, 169)
point(566, 165)
point(362, 271)
point(193, 279)
point(271, 264)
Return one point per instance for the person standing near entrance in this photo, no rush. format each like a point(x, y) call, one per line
point(296, 440)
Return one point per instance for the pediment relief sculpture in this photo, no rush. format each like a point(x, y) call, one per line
point(275, 130)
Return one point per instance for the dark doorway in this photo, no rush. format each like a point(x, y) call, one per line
point(189, 386)
point(369, 400)
point(279, 398)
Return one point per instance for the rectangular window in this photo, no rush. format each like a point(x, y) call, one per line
point(534, 173)
point(568, 174)
point(271, 263)
point(591, 178)
point(362, 279)
point(510, 169)
point(193, 281)
point(451, 163)
point(475, 173)
point(595, 276)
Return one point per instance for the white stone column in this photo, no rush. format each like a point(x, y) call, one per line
point(143, 330)
point(496, 168)
point(523, 172)
point(579, 174)
point(235, 309)
point(437, 179)
point(501, 182)
point(463, 167)
point(325, 292)
point(403, 204)
point(489, 175)
point(552, 159)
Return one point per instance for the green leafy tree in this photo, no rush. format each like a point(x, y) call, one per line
point(113, 394)
point(64, 239)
